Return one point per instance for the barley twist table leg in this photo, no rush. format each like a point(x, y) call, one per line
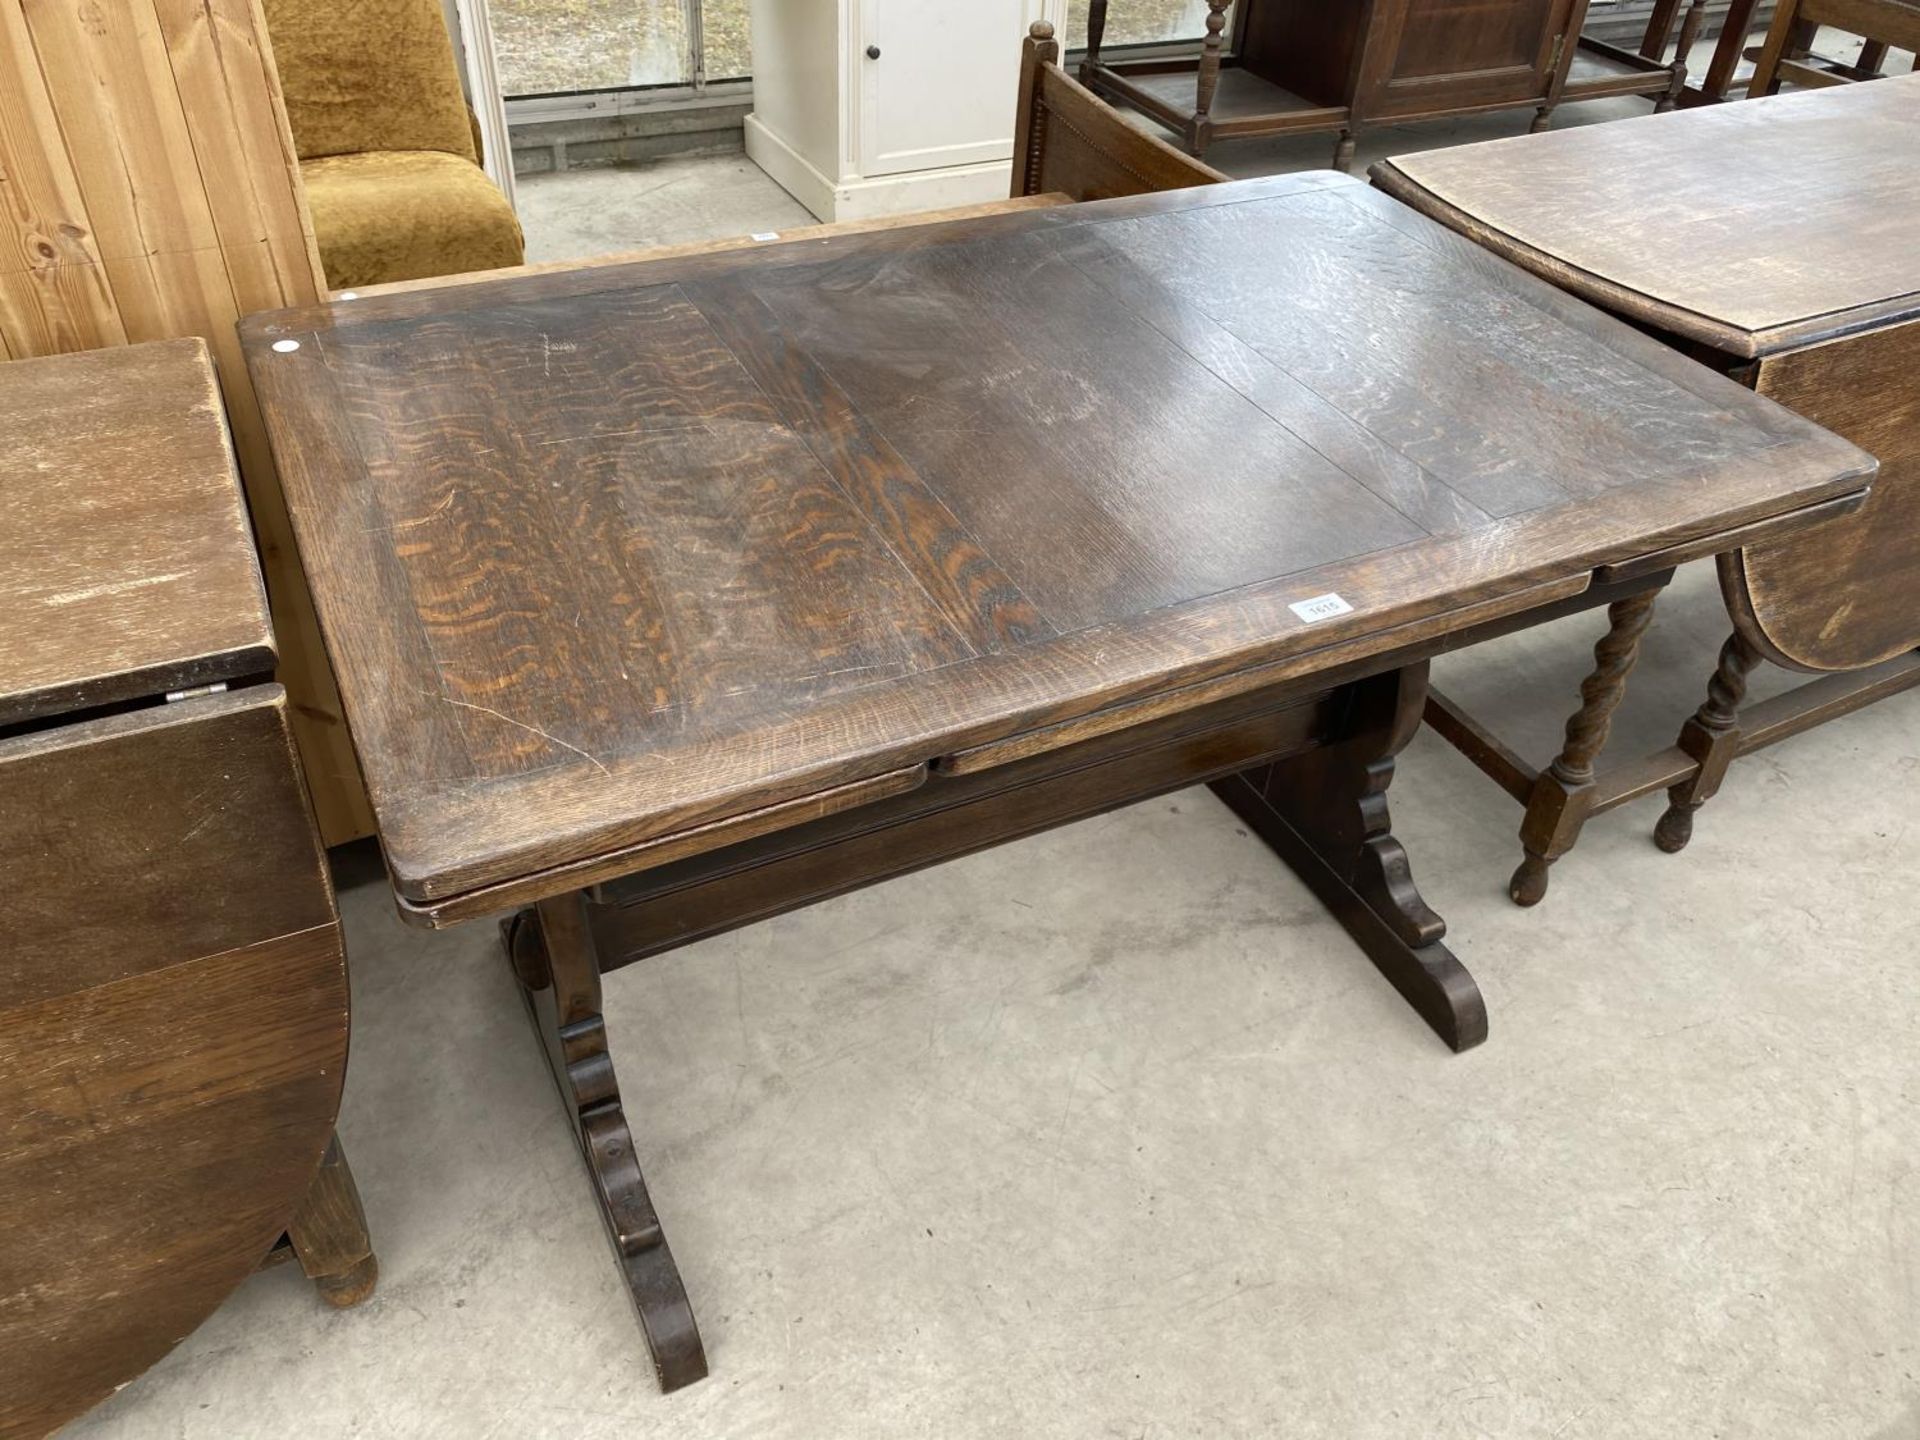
point(1564, 791)
point(1711, 737)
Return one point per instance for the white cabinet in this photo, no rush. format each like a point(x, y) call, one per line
point(881, 107)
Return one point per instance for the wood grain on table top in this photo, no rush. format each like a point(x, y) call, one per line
point(606, 555)
point(1749, 227)
point(129, 567)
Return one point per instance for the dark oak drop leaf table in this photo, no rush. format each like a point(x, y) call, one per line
point(173, 989)
point(670, 595)
point(1786, 255)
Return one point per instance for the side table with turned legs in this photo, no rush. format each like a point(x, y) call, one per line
point(1833, 334)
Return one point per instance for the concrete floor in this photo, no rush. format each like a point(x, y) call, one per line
point(1114, 1133)
point(577, 214)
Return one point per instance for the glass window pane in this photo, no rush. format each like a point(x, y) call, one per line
point(561, 45)
point(723, 31)
point(1142, 22)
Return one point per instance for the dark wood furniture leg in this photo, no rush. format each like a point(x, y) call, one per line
point(1325, 813)
point(1735, 28)
point(1712, 738)
point(1200, 129)
point(1096, 31)
point(1689, 33)
point(1873, 55)
point(328, 1234)
point(1653, 44)
point(557, 963)
point(1563, 795)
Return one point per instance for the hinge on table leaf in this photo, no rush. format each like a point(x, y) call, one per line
point(219, 687)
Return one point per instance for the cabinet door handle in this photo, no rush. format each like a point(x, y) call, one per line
point(873, 52)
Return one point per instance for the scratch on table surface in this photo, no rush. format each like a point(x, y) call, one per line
point(522, 725)
point(117, 587)
point(605, 435)
point(810, 675)
point(439, 509)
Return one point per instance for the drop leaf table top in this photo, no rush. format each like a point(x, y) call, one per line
point(1775, 223)
point(128, 565)
point(1781, 244)
point(1775, 242)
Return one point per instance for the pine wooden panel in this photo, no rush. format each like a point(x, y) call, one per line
point(263, 140)
point(224, 91)
point(53, 293)
point(149, 189)
point(40, 196)
point(115, 102)
point(57, 309)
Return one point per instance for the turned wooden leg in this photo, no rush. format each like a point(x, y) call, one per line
point(1325, 813)
point(552, 951)
point(1343, 152)
point(1542, 118)
point(329, 1234)
point(1689, 33)
point(1711, 737)
point(1563, 793)
point(1200, 132)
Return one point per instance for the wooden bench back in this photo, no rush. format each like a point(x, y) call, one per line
point(1067, 141)
point(1883, 24)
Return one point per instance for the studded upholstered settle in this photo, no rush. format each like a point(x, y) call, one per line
point(387, 147)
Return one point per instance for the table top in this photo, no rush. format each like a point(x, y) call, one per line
point(1751, 228)
point(606, 558)
point(129, 567)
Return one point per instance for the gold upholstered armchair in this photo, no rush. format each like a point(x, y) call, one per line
point(388, 152)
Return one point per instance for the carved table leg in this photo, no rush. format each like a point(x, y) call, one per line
point(1325, 813)
point(552, 950)
point(1689, 33)
point(1200, 131)
point(1343, 152)
point(1711, 737)
point(1563, 793)
point(328, 1234)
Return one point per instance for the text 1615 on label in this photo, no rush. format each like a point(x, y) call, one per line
point(1320, 607)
